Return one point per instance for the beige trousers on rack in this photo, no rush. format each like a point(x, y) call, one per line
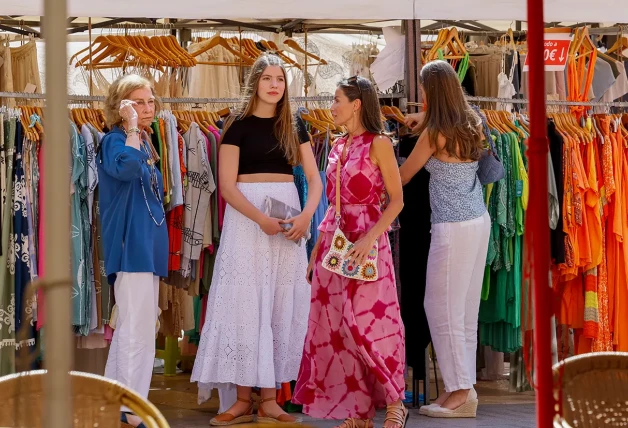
point(455, 269)
point(132, 353)
point(25, 69)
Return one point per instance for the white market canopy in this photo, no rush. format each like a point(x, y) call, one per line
point(555, 10)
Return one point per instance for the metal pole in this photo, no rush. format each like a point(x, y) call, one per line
point(305, 68)
point(537, 232)
point(58, 358)
point(91, 66)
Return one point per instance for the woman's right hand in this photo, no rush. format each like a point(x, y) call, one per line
point(413, 120)
point(270, 226)
point(127, 112)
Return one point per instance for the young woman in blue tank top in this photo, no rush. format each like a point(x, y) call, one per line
point(449, 146)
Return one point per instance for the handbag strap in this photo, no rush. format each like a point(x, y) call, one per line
point(491, 144)
point(338, 168)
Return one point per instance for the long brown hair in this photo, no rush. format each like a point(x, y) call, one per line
point(285, 129)
point(359, 88)
point(448, 113)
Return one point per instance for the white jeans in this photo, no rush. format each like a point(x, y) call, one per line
point(132, 352)
point(455, 270)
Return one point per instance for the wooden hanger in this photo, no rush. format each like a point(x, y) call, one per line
point(493, 122)
point(315, 123)
point(388, 111)
point(511, 42)
point(523, 121)
point(272, 46)
point(583, 133)
point(621, 44)
point(432, 53)
point(507, 120)
point(114, 47)
point(294, 45)
point(219, 41)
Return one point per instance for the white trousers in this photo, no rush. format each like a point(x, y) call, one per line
point(132, 351)
point(455, 270)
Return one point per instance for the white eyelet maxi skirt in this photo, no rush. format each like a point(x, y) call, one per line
point(258, 304)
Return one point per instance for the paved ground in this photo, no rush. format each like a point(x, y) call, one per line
point(176, 398)
point(491, 415)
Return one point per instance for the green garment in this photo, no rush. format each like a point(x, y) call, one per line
point(7, 284)
point(81, 239)
point(500, 308)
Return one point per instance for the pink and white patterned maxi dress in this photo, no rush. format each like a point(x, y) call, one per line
point(354, 354)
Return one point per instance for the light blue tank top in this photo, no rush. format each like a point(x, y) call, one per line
point(455, 191)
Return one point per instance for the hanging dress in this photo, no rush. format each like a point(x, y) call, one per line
point(7, 286)
point(19, 253)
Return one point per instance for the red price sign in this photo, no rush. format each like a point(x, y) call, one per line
point(555, 52)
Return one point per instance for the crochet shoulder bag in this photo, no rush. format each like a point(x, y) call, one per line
point(335, 261)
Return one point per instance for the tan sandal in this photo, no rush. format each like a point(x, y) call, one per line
point(226, 419)
point(397, 414)
point(353, 423)
point(263, 418)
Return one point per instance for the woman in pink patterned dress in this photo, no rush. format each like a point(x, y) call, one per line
point(354, 355)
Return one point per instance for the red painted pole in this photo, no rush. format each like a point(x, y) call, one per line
point(537, 230)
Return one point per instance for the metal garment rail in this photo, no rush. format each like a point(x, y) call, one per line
point(548, 102)
point(90, 98)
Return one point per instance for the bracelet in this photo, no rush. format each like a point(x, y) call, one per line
point(135, 129)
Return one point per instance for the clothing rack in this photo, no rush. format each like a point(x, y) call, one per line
point(91, 98)
point(548, 102)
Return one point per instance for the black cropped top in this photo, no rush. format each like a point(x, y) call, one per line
point(259, 148)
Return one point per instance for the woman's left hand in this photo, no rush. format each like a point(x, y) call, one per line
point(360, 250)
point(300, 225)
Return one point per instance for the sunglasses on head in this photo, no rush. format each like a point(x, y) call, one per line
point(354, 81)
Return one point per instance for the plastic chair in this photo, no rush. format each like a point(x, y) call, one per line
point(593, 389)
point(96, 401)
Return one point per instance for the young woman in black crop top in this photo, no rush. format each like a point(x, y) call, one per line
point(259, 299)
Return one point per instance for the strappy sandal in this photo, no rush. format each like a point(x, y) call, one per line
point(284, 418)
point(226, 419)
point(353, 423)
point(397, 414)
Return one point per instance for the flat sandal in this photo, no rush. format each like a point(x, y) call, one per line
point(227, 419)
point(353, 423)
point(397, 414)
point(263, 418)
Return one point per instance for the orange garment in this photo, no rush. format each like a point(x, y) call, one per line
point(603, 341)
point(581, 188)
point(580, 70)
point(592, 205)
point(569, 269)
point(284, 393)
point(616, 233)
point(621, 288)
point(572, 303)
